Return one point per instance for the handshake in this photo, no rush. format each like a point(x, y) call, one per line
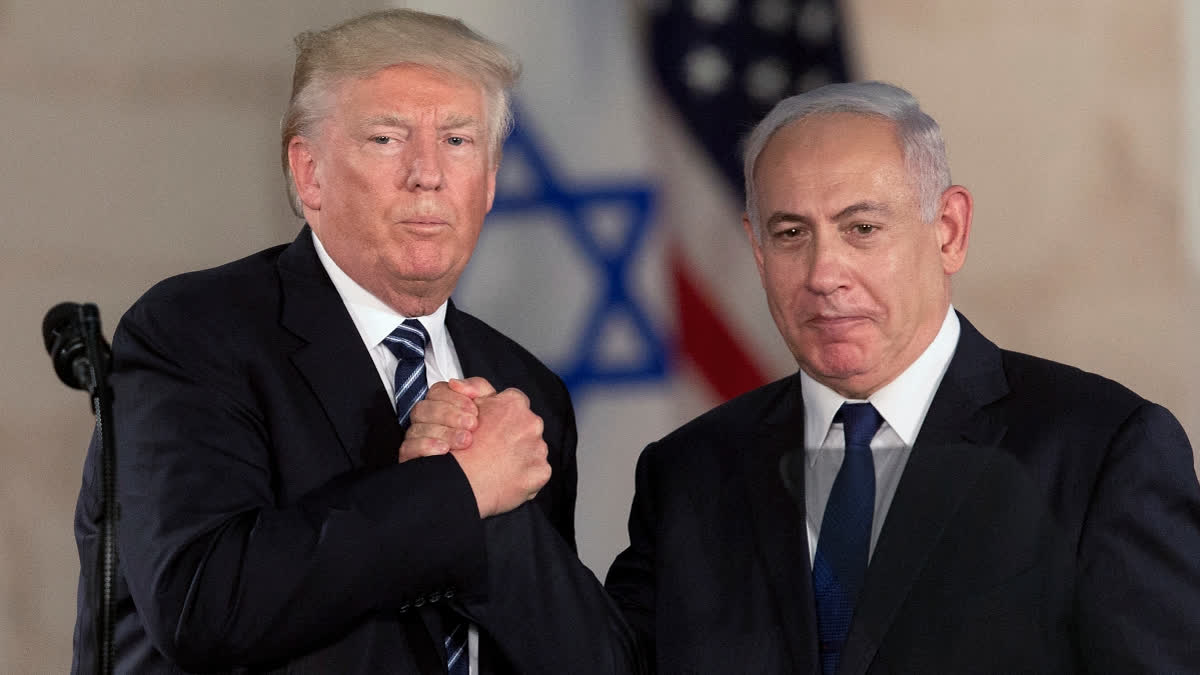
point(495, 437)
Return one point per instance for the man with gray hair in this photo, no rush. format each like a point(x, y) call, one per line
point(915, 499)
point(272, 516)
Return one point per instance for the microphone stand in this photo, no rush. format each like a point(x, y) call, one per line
point(97, 386)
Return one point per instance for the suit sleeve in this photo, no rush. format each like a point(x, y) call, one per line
point(569, 476)
point(221, 573)
point(631, 578)
point(1139, 555)
point(545, 610)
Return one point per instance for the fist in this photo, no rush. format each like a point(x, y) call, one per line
point(506, 461)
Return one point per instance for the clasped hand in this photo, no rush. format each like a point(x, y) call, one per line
point(495, 437)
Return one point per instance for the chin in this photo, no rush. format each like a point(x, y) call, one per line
point(841, 364)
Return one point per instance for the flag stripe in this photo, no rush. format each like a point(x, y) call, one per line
point(706, 340)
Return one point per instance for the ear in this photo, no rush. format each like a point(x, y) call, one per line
point(954, 227)
point(304, 172)
point(755, 245)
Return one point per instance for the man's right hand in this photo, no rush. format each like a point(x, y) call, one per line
point(505, 461)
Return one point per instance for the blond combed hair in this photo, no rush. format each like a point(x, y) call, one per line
point(365, 45)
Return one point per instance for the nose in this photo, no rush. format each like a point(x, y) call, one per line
point(424, 168)
point(827, 265)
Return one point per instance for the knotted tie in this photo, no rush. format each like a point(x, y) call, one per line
point(408, 342)
point(843, 547)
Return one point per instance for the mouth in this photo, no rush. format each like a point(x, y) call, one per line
point(835, 321)
point(424, 226)
point(424, 220)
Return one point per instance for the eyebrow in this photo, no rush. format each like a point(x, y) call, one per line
point(786, 217)
point(458, 122)
point(856, 208)
point(386, 120)
point(453, 121)
point(863, 207)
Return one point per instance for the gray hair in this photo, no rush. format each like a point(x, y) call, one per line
point(918, 133)
point(363, 46)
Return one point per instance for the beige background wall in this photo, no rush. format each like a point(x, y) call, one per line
point(140, 140)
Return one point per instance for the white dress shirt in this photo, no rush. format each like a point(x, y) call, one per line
point(375, 321)
point(902, 403)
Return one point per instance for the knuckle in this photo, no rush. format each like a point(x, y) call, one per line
point(479, 386)
point(516, 394)
point(420, 410)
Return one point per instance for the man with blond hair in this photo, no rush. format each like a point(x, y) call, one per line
point(271, 517)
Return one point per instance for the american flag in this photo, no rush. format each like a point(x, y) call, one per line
point(722, 65)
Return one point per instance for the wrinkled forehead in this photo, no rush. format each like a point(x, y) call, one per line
point(397, 93)
point(829, 161)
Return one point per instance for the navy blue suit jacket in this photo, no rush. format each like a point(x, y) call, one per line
point(265, 523)
point(1048, 521)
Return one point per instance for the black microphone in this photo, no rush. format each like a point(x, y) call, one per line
point(63, 333)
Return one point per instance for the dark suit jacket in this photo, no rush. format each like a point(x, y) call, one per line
point(1048, 521)
point(265, 523)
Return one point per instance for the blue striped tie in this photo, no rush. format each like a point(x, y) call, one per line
point(457, 662)
point(845, 542)
point(407, 342)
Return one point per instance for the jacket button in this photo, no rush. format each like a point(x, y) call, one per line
point(448, 594)
point(404, 607)
point(419, 602)
point(435, 596)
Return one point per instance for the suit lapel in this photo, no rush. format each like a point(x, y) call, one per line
point(479, 360)
point(775, 490)
point(333, 360)
point(940, 473)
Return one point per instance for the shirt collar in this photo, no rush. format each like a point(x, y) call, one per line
point(902, 402)
point(372, 317)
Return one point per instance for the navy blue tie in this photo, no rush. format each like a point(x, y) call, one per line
point(844, 545)
point(407, 343)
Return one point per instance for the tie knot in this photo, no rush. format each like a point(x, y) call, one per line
point(408, 340)
point(860, 422)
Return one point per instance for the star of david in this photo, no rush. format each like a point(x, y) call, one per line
point(610, 260)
